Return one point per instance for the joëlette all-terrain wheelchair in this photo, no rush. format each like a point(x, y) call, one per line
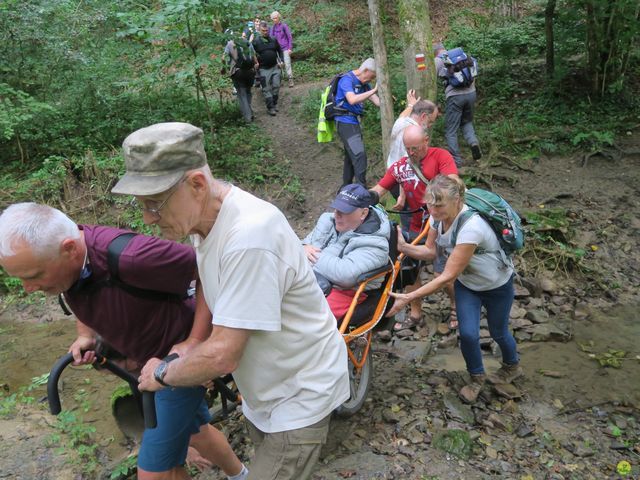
point(360, 321)
point(136, 411)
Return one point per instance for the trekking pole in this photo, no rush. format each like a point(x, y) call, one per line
point(146, 399)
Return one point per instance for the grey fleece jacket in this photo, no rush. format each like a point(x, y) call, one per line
point(345, 256)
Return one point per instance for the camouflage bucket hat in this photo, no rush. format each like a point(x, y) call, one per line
point(157, 157)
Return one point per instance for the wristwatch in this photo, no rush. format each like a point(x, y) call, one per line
point(160, 372)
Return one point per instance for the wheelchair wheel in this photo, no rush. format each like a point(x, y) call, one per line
point(359, 384)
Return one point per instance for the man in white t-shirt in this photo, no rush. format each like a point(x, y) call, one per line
point(272, 327)
point(418, 112)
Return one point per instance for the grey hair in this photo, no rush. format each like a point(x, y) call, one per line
point(264, 24)
point(368, 64)
point(41, 227)
point(274, 14)
point(423, 106)
point(443, 188)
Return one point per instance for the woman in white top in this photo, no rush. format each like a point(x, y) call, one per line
point(481, 276)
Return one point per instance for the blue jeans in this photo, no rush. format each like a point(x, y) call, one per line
point(498, 304)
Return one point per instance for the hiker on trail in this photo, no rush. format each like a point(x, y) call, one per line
point(418, 112)
point(347, 243)
point(241, 59)
point(269, 55)
point(272, 326)
point(482, 279)
point(459, 107)
point(248, 31)
point(412, 173)
point(282, 33)
point(145, 314)
point(353, 91)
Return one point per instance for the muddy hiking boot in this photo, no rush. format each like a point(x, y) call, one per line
point(469, 393)
point(290, 82)
point(506, 374)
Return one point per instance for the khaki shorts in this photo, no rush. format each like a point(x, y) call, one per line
point(289, 455)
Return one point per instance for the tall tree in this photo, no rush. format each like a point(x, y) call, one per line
point(612, 33)
point(384, 85)
point(549, 13)
point(415, 26)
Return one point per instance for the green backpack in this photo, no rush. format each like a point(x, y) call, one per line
point(501, 217)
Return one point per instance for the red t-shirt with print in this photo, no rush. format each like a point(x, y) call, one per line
point(437, 161)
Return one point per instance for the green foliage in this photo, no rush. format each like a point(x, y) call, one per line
point(25, 396)
point(125, 469)
point(455, 442)
point(549, 240)
point(122, 390)
point(520, 111)
point(75, 439)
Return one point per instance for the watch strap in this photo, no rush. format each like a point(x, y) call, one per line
point(160, 372)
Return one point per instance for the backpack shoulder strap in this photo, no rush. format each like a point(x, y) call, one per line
point(464, 218)
point(418, 171)
point(114, 250)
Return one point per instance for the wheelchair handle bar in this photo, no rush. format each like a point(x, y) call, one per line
point(148, 398)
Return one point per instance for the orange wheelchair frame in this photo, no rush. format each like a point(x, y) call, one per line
point(358, 337)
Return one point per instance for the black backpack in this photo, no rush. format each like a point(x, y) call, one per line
point(245, 60)
point(331, 109)
point(114, 250)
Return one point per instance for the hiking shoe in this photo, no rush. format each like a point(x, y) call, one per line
point(469, 393)
point(476, 153)
point(290, 82)
point(506, 374)
point(272, 112)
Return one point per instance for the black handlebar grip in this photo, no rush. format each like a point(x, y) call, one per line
point(53, 396)
point(149, 410)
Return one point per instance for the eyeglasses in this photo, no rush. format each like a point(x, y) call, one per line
point(415, 148)
point(155, 211)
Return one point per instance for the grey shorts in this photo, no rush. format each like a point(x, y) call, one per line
point(289, 455)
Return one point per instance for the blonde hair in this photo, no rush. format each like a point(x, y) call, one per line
point(443, 188)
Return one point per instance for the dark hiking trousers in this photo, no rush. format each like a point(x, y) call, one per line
point(243, 81)
point(355, 158)
point(270, 81)
point(459, 115)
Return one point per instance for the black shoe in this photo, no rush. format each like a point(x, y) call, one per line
point(272, 112)
point(476, 153)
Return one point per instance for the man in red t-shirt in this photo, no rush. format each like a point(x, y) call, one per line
point(432, 161)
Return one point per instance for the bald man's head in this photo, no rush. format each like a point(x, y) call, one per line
point(416, 142)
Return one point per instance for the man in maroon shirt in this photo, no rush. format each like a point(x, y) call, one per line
point(431, 161)
point(49, 252)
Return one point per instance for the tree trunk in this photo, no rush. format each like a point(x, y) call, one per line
point(384, 85)
point(415, 25)
point(549, 14)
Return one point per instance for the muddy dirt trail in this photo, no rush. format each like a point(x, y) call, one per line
point(570, 418)
point(318, 166)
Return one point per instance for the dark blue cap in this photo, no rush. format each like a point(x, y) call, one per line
point(351, 197)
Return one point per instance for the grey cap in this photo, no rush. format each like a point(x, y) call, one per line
point(157, 157)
